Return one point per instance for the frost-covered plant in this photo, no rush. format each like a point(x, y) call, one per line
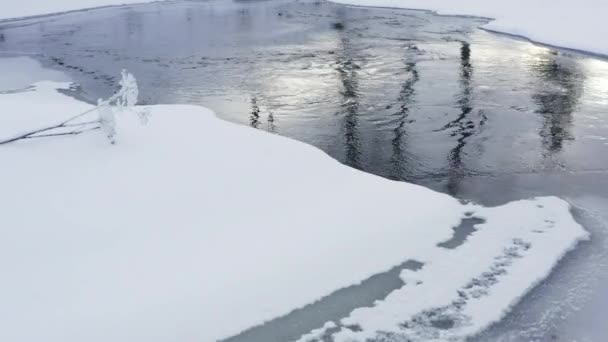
point(124, 100)
point(129, 91)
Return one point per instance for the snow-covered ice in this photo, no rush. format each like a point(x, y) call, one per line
point(22, 72)
point(576, 25)
point(11, 9)
point(193, 229)
point(460, 292)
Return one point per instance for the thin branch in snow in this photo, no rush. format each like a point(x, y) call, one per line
point(82, 123)
point(125, 98)
point(64, 133)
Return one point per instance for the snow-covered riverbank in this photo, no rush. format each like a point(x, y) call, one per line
point(570, 24)
point(192, 228)
point(578, 25)
point(10, 9)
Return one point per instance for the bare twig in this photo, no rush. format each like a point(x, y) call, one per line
point(60, 134)
point(80, 124)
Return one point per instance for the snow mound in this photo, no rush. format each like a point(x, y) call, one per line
point(194, 229)
point(575, 25)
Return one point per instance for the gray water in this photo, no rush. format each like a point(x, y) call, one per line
point(406, 95)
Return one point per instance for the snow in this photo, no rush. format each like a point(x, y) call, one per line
point(193, 229)
point(578, 25)
point(11, 9)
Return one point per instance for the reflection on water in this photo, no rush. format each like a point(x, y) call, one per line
point(254, 119)
point(347, 72)
point(464, 126)
point(405, 100)
point(134, 25)
point(558, 95)
point(271, 127)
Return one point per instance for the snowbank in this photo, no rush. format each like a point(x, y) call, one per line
point(194, 229)
point(576, 25)
point(11, 9)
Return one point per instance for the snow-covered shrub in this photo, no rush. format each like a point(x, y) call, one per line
point(129, 91)
point(123, 101)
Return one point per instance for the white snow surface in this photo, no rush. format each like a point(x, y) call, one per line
point(11, 9)
point(579, 25)
point(193, 229)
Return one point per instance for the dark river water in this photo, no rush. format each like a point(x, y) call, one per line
point(406, 95)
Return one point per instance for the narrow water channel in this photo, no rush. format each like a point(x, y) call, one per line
point(406, 95)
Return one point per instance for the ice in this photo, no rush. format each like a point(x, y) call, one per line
point(18, 73)
point(194, 229)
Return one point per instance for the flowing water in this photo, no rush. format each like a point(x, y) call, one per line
point(406, 95)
